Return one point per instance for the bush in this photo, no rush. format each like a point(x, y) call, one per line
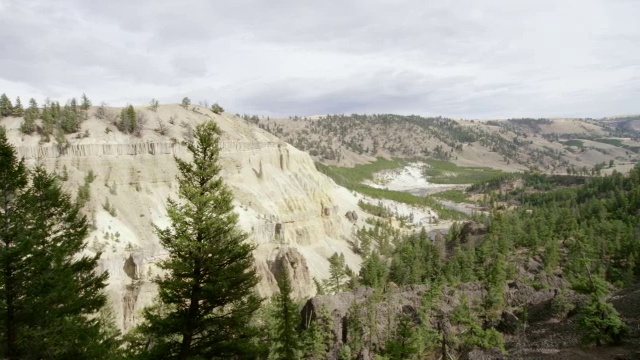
point(217, 109)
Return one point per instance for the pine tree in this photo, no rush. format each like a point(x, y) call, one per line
point(85, 103)
point(128, 120)
point(373, 271)
point(50, 296)
point(405, 344)
point(336, 272)
point(318, 337)
point(6, 108)
point(601, 323)
point(32, 113)
point(207, 297)
point(18, 110)
point(287, 342)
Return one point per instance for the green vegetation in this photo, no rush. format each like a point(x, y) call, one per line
point(585, 227)
point(360, 173)
point(206, 300)
point(601, 324)
point(610, 141)
point(286, 344)
point(350, 178)
point(51, 298)
point(444, 172)
point(130, 122)
point(84, 191)
point(452, 195)
point(217, 109)
point(574, 142)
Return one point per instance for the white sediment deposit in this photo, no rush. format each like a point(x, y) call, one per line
point(292, 212)
point(408, 179)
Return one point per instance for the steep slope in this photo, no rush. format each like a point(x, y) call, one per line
point(293, 213)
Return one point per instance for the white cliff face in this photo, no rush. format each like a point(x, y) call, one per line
point(293, 213)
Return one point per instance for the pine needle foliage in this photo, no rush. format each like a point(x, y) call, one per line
point(207, 299)
point(50, 295)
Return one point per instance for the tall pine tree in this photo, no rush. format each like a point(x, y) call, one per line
point(207, 297)
point(50, 296)
point(287, 342)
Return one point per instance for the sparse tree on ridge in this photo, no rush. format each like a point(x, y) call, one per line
point(217, 109)
point(128, 120)
point(207, 298)
point(153, 105)
point(6, 108)
point(185, 102)
point(18, 110)
point(85, 102)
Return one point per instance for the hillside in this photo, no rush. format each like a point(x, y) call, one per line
point(555, 276)
point(552, 145)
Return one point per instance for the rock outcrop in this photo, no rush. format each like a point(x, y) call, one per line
point(382, 309)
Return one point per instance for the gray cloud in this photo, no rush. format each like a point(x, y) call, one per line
point(469, 59)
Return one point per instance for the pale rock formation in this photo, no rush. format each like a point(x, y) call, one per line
point(291, 211)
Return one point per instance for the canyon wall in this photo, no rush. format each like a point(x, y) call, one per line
point(293, 213)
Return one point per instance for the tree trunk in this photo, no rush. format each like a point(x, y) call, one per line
point(194, 307)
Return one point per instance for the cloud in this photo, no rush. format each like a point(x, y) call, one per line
point(285, 57)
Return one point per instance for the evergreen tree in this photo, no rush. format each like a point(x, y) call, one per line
point(206, 299)
point(50, 296)
point(18, 110)
point(373, 271)
point(85, 103)
point(6, 108)
point(28, 126)
point(318, 337)
point(185, 102)
point(286, 343)
point(336, 272)
point(405, 344)
point(33, 108)
point(472, 333)
point(601, 323)
point(217, 109)
point(128, 120)
point(70, 118)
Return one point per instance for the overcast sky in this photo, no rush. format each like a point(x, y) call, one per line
point(472, 59)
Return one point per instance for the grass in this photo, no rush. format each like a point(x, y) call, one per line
point(444, 172)
point(573, 142)
point(351, 178)
point(614, 142)
point(360, 173)
point(452, 195)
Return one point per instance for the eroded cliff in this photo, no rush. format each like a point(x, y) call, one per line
point(293, 213)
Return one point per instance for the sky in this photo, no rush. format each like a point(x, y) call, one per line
point(455, 58)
